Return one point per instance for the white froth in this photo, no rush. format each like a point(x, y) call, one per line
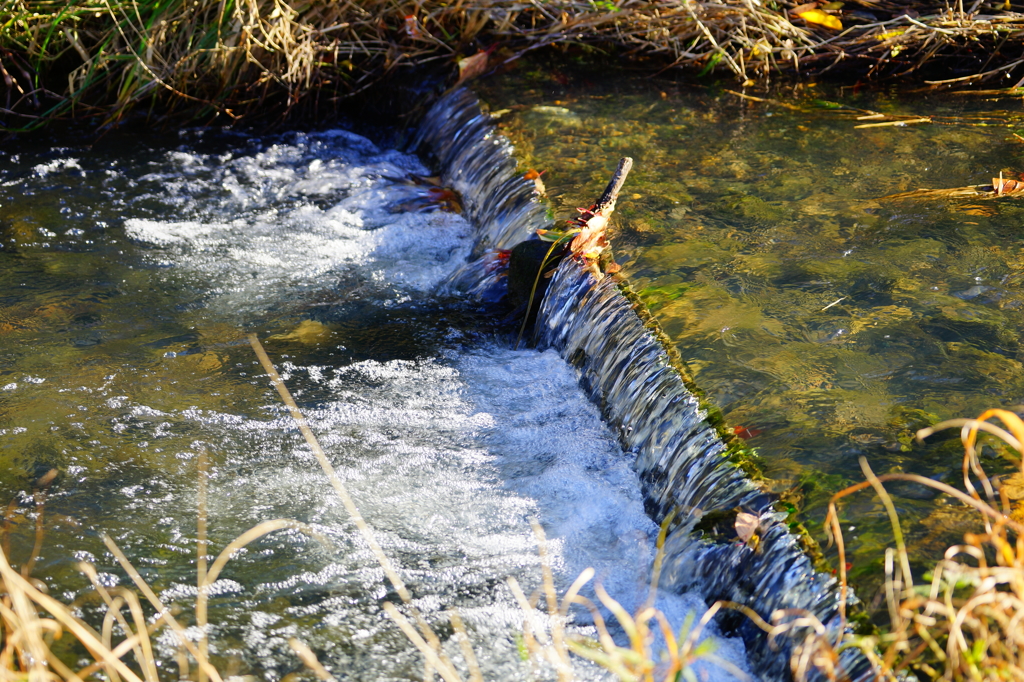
point(293, 216)
point(567, 461)
point(55, 166)
point(449, 460)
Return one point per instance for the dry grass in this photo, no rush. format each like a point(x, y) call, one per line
point(233, 58)
point(32, 620)
point(967, 623)
point(644, 658)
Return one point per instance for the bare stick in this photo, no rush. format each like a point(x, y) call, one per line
point(428, 652)
point(611, 192)
point(159, 606)
point(307, 656)
point(23, 589)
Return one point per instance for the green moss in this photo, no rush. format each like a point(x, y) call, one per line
point(736, 450)
point(657, 297)
point(718, 522)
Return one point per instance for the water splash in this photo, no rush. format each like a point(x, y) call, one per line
point(681, 459)
point(449, 445)
point(479, 164)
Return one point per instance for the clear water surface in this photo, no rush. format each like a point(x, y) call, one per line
point(828, 322)
point(131, 271)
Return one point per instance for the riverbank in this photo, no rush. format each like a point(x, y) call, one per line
point(270, 61)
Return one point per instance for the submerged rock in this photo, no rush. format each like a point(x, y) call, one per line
point(530, 267)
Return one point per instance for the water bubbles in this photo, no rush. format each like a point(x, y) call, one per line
point(107, 579)
point(56, 166)
point(267, 243)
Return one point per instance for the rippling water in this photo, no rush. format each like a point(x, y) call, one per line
point(130, 275)
point(827, 322)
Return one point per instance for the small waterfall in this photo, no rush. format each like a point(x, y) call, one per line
point(478, 163)
point(684, 464)
point(625, 364)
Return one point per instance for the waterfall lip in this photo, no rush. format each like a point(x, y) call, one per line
point(685, 459)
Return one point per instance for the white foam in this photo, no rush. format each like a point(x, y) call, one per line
point(262, 238)
point(588, 496)
point(448, 460)
point(447, 457)
point(56, 166)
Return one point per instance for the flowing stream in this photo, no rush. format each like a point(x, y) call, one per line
point(693, 476)
point(826, 319)
point(132, 271)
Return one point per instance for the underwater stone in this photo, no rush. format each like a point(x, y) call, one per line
point(530, 266)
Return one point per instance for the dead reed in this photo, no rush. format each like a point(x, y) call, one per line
point(643, 658)
point(967, 621)
point(233, 58)
point(31, 620)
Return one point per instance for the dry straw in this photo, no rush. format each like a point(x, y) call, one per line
point(32, 620)
point(967, 623)
point(232, 58)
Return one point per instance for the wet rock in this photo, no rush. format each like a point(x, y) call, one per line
point(530, 267)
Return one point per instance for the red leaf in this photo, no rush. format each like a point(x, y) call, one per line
point(537, 182)
point(412, 26)
point(746, 433)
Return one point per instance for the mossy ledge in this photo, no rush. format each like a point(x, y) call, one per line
point(738, 452)
point(687, 459)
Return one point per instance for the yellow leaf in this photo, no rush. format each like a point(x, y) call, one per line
point(746, 525)
point(816, 16)
point(891, 34)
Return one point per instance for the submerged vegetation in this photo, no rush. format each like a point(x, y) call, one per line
point(228, 59)
point(966, 621)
